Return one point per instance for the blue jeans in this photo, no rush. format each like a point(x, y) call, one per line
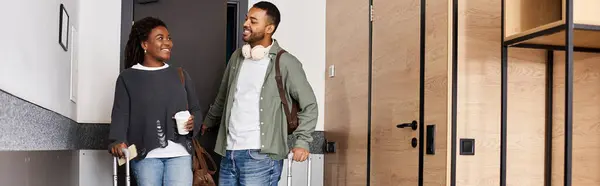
point(249, 168)
point(176, 171)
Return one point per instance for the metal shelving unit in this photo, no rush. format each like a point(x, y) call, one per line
point(552, 25)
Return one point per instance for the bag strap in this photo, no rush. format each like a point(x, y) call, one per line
point(198, 163)
point(280, 87)
point(201, 156)
point(182, 79)
point(212, 162)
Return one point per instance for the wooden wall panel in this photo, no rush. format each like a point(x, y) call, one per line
point(479, 38)
point(479, 100)
point(522, 15)
point(436, 90)
point(586, 12)
point(526, 117)
point(346, 104)
point(586, 119)
point(395, 92)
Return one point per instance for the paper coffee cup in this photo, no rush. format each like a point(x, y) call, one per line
point(181, 118)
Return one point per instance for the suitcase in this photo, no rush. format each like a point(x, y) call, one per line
point(115, 165)
point(289, 170)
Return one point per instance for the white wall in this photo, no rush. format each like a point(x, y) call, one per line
point(34, 66)
point(303, 35)
point(37, 69)
point(99, 41)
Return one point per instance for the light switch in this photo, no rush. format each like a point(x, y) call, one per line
point(467, 146)
point(332, 71)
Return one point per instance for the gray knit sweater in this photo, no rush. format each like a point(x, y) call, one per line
point(144, 104)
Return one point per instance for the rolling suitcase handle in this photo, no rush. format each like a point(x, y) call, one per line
point(289, 172)
point(115, 165)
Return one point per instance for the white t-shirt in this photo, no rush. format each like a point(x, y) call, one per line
point(244, 127)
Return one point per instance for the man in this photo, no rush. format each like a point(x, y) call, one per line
point(253, 129)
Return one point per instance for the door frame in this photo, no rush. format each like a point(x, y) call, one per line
point(242, 10)
point(127, 12)
point(126, 23)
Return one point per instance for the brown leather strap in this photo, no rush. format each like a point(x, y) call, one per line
point(212, 162)
point(281, 87)
point(182, 79)
point(201, 156)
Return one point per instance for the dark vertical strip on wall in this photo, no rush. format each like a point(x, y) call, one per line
point(370, 93)
point(454, 91)
point(422, 125)
point(549, 117)
point(242, 11)
point(503, 114)
point(503, 100)
point(568, 93)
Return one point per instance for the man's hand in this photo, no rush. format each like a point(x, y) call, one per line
point(116, 150)
point(300, 154)
point(189, 126)
point(203, 129)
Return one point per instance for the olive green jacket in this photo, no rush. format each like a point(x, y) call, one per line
point(272, 115)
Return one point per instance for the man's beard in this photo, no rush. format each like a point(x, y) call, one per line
point(255, 37)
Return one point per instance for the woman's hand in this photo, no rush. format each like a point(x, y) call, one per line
point(189, 126)
point(116, 150)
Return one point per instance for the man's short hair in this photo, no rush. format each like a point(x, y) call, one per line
point(272, 12)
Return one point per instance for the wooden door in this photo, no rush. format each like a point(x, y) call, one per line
point(410, 83)
point(395, 92)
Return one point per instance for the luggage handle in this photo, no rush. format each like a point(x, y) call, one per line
point(115, 165)
point(289, 172)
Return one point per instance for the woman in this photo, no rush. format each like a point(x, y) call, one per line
point(148, 94)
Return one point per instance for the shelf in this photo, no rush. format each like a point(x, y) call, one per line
point(542, 23)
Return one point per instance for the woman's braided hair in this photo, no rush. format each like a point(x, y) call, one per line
point(134, 53)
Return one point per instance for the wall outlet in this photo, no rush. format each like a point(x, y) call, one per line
point(467, 146)
point(330, 147)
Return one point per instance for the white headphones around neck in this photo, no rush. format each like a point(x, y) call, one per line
point(257, 52)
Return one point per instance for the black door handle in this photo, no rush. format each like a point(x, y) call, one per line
point(412, 125)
